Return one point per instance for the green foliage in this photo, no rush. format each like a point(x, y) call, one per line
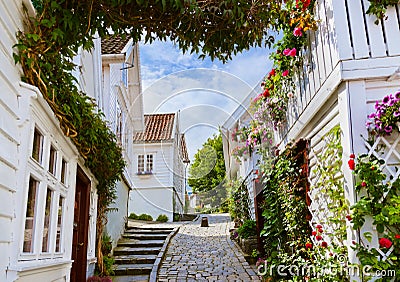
point(108, 260)
point(146, 217)
point(286, 230)
point(133, 216)
point(380, 201)
point(378, 8)
point(208, 168)
point(248, 229)
point(162, 218)
point(238, 200)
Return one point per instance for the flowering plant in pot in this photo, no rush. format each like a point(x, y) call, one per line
point(386, 117)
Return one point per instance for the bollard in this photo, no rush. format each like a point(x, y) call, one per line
point(204, 221)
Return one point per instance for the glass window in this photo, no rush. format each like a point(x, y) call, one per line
point(47, 221)
point(37, 145)
point(149, 163)
point(52, 160)
point(63, 170)
point(30, 215)
point(60, 211)
point(140, 163)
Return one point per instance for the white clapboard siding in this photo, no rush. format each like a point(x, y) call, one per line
point(348, 45)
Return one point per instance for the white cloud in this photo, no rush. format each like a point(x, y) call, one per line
point(205, 92)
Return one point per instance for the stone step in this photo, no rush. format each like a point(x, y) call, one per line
point(132, 269)
point(140, 243)
point(145, 236)
point(147, 231)
point(149, 228)
point(131, 259)
point(118, 251)
point(131, 278)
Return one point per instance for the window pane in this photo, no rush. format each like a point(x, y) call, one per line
point(47, 222)
point(53, 160)
point(59, 223)
point(63, 171)
point(37, 145)
point(140, 163)
point(149, 165)
point(30, 216)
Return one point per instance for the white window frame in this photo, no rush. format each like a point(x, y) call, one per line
point(146, 157)
point(47, 181)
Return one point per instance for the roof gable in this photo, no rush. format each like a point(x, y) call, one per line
point(158, 127)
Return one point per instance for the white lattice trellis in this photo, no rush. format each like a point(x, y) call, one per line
point(321, 203)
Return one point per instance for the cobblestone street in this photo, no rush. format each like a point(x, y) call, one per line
point(205, 254)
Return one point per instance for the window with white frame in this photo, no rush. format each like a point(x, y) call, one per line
point(45, 199)
point(145, 164)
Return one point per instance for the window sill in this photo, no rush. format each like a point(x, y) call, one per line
point(144, 173)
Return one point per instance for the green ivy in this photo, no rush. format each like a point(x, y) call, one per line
point(285, 211)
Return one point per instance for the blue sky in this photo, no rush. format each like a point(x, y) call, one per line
point(204, 92)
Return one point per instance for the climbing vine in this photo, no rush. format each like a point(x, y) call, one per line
point(379, 202)
point(378, 8)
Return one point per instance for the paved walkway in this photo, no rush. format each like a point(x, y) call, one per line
point(205, 254)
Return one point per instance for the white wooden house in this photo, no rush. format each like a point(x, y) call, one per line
point(160, 161)
point(48, 197)
point(122, 103)
point(350, 63)
point(245, 167)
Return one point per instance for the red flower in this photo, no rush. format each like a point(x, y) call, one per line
point(266, 93)
point(285, 73)
point(297, 32)
point(352, 156)
point(272, 72)
point(397, 236)
point(363, 184)
point(348, 217)
point(372, 168)
point(385, 243)
point(324, 244)
point(318, 237)
point(354, 242)
point(320, 230)
point(308, 246)
point(352, 164)
point(305, 3)
point(318, 226)
point(314, 233)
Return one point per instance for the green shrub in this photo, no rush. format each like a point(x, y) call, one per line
point(133, 216)
point(146, 217)
point(248, 229)
point(162, 218)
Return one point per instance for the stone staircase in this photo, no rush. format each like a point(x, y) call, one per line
point(137, 252)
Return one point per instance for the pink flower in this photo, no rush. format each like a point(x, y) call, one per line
point(297, 32)
point(285, 73)
point(363, 184)
point(286, 51)
point(292, 53)
point(385, 243)
point(397, 236)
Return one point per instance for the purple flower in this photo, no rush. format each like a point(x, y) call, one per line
point(397, 95)
point(388, 129)
point(386, 99)
point(371, 115)
point(396, 114)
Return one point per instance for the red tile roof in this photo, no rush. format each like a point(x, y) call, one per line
point(158, 127)
point(184, 153)
point(113, 44)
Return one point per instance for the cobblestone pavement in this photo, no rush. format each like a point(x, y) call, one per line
point(205, 254)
